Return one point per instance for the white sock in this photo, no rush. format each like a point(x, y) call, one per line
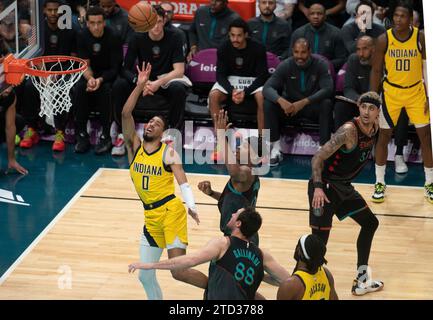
point(428, 175)
point(380, 174)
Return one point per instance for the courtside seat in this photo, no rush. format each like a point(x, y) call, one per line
point(201, 70)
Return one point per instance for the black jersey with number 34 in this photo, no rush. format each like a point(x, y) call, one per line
point(345, 165)
point(238, 274)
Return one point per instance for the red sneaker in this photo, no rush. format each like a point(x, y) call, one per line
point(59, 142)
point(31, 137)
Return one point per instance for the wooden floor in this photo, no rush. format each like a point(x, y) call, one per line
point(94, 241)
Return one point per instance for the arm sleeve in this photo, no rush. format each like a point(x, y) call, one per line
point(340, 52)
point(178, 53)
point(83, 50)
point(274, 86)
point(261, 71)
point(222, 70)
point(326, 85)
point(115, 59)
point(350, 81)
point(131, 55)
point(193, 32)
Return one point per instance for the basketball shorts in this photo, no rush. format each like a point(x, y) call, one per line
point(166, 223)
point(394, 99)
point(345, 202)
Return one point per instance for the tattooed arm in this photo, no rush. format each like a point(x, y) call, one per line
point(346, 136)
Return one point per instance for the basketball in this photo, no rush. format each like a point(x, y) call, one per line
point(142, 17)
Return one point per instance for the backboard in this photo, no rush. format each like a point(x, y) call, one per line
point(19, 30)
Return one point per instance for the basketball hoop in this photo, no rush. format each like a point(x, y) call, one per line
point(53, 77)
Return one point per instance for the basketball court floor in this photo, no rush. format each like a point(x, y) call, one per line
point(72, 226)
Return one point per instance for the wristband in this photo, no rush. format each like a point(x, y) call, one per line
point(318, 184)
point(187, 195)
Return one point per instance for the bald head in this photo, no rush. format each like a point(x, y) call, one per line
point(301, 52)
point(365, 49)
point(301, 42)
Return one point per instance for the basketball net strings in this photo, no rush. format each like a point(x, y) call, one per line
point(54, 89)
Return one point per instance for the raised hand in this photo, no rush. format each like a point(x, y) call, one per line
point(144, 73)
point(205, 187)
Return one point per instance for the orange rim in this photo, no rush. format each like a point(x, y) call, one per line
point(49, 59)
point(16, 69)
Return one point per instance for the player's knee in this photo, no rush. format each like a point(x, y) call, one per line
point(147, 277)
point(374, 224)
point(326, 107)
point(177, 88)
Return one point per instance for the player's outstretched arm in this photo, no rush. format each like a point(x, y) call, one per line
point(277, 273)
point(236, 171)
point(132, 141)
point(212, 251)
point(206, 188)
point(172, 158)
point(10, 131)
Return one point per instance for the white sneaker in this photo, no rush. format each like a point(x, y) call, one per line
point(360, 288)
point(119, 146)
point(276, 157)
point(400, 165)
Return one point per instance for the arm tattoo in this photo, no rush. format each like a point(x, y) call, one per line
point(345, 135)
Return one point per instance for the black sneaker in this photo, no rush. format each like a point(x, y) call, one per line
point(83, 143)
point(104, 145)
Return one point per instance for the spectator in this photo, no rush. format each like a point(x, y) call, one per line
point(363, 25)
point(210, 26)
point(356, 80)
point(60, 42)
point(100, 46)
point(379, 9)
point(270, 30)
point(284, 9)
point(117, 19)
point(240, 60)
point(324, 38)
point(302, 87)
point(334, 11)
point(163, 49)
point(169, 11)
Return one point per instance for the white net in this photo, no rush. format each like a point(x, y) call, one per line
point(54, 89)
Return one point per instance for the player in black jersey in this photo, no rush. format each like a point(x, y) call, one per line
point(330, 190)
point(243, 187)
point(236, 265)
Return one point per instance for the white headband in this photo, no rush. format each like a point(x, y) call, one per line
point(302, 241)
